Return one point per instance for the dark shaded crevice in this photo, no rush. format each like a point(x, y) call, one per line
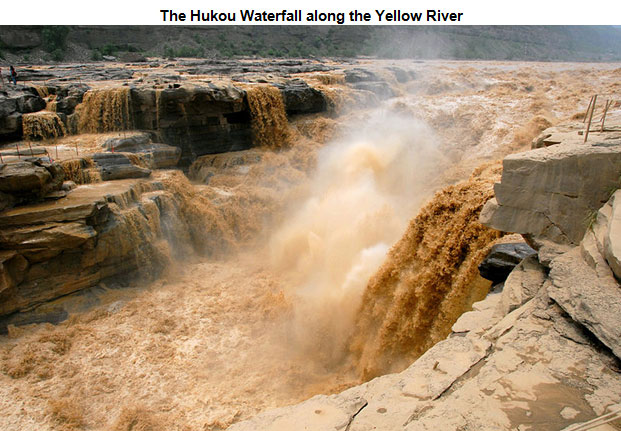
point(351, 419)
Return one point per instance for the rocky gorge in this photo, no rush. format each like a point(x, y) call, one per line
point(128, 196)
point(543, 352)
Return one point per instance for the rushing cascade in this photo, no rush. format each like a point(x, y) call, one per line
point(43, 125)
point(269, 120)
point(428, 280)
point(105, 111)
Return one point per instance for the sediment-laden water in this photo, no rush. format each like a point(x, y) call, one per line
point(340, 248)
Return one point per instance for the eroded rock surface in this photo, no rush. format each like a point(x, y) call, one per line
point(98, 231)
point(549, 194)
point(527, 369)
point(501, 260)
point(544, 353)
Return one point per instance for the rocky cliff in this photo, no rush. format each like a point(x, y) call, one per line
point(58, 247)
point(544, 352)
point(199, 117)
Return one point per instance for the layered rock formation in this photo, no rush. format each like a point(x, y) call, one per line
point(30, 179)
point(13, 104)
point(550, 194)
point(543, 353)
point(98, 231)
point(197, 119)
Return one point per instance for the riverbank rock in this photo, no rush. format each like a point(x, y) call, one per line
point(501, 260)
point(97, 232)
point(115, 166)
point(527, 368)
point(549, 194)
point(28, 180)
point(15, 101)
point(612, 238)
point(300, 98)
point(155, 155)
point(523, 283)
point(542, 354)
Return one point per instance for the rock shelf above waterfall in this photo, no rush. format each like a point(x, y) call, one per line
point(543, 352)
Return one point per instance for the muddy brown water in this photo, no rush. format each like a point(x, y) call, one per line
point(329, 276)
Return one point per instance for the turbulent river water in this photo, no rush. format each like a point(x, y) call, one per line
point(334, 260)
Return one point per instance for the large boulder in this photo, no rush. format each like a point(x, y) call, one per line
point(359, 75)
point(156, 156)
point(501, 260)
point(132, 143)
point(30, 179)
point(115, 166)
point(300, 98)
point(13, 103)
point(70, 96)
point(549, 194)
point(28, 102)
point(592, 299)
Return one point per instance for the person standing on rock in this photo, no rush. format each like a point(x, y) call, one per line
point(13, 75)
point(1, 79)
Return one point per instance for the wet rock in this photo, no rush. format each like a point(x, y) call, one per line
point(98, 231)
point(27, 74)
point(52, 238)
point(11, 126)
point(29, 180)
point(300, 98)
point(198, 120)
point(501, 260)
point(161, 156)
point(13, 104)
point(359, 75)
point(6, 201)
point(8, 105)
point(380, 88)
point(68, 186)
point(156, 156)
point(132, 143)
point(75, 207)
point(23, 177)
point(13, 267)
point(114, 166)
point(68, 97)
point(27, 103)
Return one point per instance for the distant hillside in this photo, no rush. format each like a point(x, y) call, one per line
point(40, 44)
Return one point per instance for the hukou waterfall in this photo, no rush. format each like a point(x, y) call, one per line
point(187, 254)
